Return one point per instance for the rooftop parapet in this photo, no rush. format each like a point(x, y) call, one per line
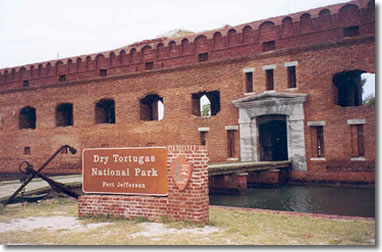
point(326, 24)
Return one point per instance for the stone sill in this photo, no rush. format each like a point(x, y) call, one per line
point(232, 159)
point(358, 159)
point(318, 159)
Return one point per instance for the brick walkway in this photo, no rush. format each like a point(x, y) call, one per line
point(37, 185)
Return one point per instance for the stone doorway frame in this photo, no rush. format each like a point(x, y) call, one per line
point(264, 122)
point(289, 104)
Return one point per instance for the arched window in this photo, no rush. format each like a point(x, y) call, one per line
point(201, 43)
point(161, 51)
point(325, 20)
point(105, 111)
point(218, 40)
point(69, 64)
point(232, 37)
point(31, 71)
point(147, 53)
point(100, 61)
point(185, 46)
point(60, 67)
point(27, 118)
point(306, 24)
point(13, 74)
point(122, 55)
point(267, 31)
point(64, 115)
point(88, 61)
point(349, 15)
point(112, 58)
point(247, 33)
point(151, 108)
point(133, 55)
point(79, 60)
point(173, 48)
point(287, 27)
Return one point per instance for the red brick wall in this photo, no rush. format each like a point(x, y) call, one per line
point(265, 178)
point(189, 205)
point(231, 183)
point(320, 53)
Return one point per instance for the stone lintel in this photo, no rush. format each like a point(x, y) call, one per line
point(232, 127)
point(249, 70)
point(316, 123)
point(269, 67)
point(291, 63)
point(356, 121)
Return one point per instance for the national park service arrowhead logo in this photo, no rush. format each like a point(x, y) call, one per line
point(181, 171)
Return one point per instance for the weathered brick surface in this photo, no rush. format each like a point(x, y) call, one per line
point(189, 205)
point(266, 178)
point(317, 44)
point(232, 183)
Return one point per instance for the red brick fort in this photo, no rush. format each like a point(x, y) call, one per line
point(282, 88)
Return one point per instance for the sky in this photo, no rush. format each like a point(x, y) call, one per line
point(42, 30)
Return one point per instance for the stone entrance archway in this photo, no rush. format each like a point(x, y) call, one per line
point(252, 110)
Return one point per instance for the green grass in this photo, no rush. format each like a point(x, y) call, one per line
point(57, 206)
point(236, 227)
point(271, 229)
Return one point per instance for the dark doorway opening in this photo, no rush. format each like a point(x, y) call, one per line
point(273, 138)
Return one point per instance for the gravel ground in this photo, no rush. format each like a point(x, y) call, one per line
point(50, 223)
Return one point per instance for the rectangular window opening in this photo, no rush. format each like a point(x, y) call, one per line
point(203, 138)
point(351, 31)
point(269, 46)
point(231, 143)
point(291, 77)
point(27, 150)
point(26, 83)
point(203, 57)
point(62, 77)
point(357, 140)
point(149, 65)
point(269, 79)
point(105, 111)
point(249, 82)
point(102, 72)
point(317, 141)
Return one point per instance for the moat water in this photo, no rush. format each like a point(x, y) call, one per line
point(306, 199)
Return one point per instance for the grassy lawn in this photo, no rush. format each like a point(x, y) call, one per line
point(226, 227)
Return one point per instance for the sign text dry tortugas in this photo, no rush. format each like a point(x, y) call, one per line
point(125, 171)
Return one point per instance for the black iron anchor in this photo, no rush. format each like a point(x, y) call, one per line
point(30, 173)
